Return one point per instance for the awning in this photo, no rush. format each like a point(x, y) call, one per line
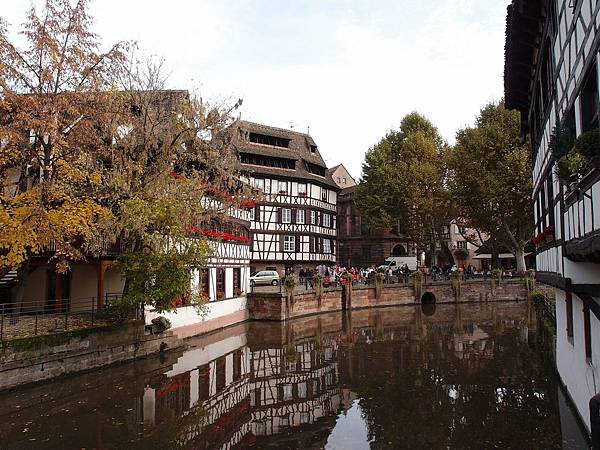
point(500, 256)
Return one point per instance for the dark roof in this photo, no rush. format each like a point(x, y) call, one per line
point(524, 28)
point(299, 149)
point(349, 190)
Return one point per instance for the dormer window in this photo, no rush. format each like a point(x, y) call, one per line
point(313, 149)
point(265, 139)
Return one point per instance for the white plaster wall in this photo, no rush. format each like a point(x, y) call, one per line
point(212, 284)
point(582, 273)
point(188, 315)
point(113, 282)
point(197, 357)
point(581, 379)
point(228, 282)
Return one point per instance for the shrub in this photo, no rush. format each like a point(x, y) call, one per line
point(537, 295)
point(290, 283)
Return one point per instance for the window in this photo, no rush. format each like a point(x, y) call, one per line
point(289, 243)
point(302, 189)
point(265, 139)
point(344, 180)
point(339, 179)
point(326, 220)
point(587, 335)
point(300, 216)
point(267, 161)
point(286, 215)
point(282, 187)
point(569, 304)
point(237, 280)
point(461, 244)
point(313, 149)
point(324, 195)
point(258, 183)
point(462, 229)
point(326, 246)
point(589, 102)
point(252, 214)
point(313, 217)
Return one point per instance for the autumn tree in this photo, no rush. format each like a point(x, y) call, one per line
point(51, 106)
point(168, 170)
point(95, 153)
point(490, 181)
point(403, 184)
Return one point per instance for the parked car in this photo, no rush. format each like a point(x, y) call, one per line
point(265, 277)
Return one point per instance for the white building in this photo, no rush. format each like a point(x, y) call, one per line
point(551, 77)
point(294, 224)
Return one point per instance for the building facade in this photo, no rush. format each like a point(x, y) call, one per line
point(551, 77)
point(359, 244)
point(294, 224)
point(95, 281)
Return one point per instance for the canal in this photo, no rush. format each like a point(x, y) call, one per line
point(445, 377)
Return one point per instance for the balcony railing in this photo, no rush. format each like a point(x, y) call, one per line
point(36, 317)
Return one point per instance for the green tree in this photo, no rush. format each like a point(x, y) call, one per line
point(403, 183)
point(490, 181)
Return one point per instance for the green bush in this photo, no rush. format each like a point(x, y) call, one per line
point(588, 144)
point(537, 295)
point(561, 142)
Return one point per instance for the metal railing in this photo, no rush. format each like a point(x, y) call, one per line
point(35, 317)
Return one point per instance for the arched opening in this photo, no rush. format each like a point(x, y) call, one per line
point(428, 309)
point(428, 297)
point(398, 250)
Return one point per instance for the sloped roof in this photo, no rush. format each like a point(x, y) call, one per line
point(299, 149)
point(524, 27)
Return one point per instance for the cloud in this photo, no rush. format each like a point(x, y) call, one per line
point(349, 70)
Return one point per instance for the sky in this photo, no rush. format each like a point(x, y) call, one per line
point(348, 71)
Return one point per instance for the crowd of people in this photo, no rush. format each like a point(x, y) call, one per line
point(334, 274)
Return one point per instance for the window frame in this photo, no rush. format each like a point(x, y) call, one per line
point(281, 184)
point(302, 188)
point(289, 241)
point(300, 217)
point(258, 183)
point(326, 245)
point(327, 223)
point(283, 215)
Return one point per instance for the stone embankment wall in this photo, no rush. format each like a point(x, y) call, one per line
point(277, 306)
point(29, 360)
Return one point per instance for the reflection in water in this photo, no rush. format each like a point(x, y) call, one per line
point(408, 377)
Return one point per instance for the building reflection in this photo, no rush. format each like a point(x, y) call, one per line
point(464, 375)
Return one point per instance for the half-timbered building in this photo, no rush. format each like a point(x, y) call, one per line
point(551, 77)
point(93, 283)
point(294, 223)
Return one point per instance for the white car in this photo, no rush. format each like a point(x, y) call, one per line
point(265, 277)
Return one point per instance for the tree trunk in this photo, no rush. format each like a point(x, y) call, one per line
point(495, 258)
point(520, 259)
point(433, 253)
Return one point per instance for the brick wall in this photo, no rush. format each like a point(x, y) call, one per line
point(40, 358)
point(273, 306)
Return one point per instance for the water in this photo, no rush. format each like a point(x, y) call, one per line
point(457, 377)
